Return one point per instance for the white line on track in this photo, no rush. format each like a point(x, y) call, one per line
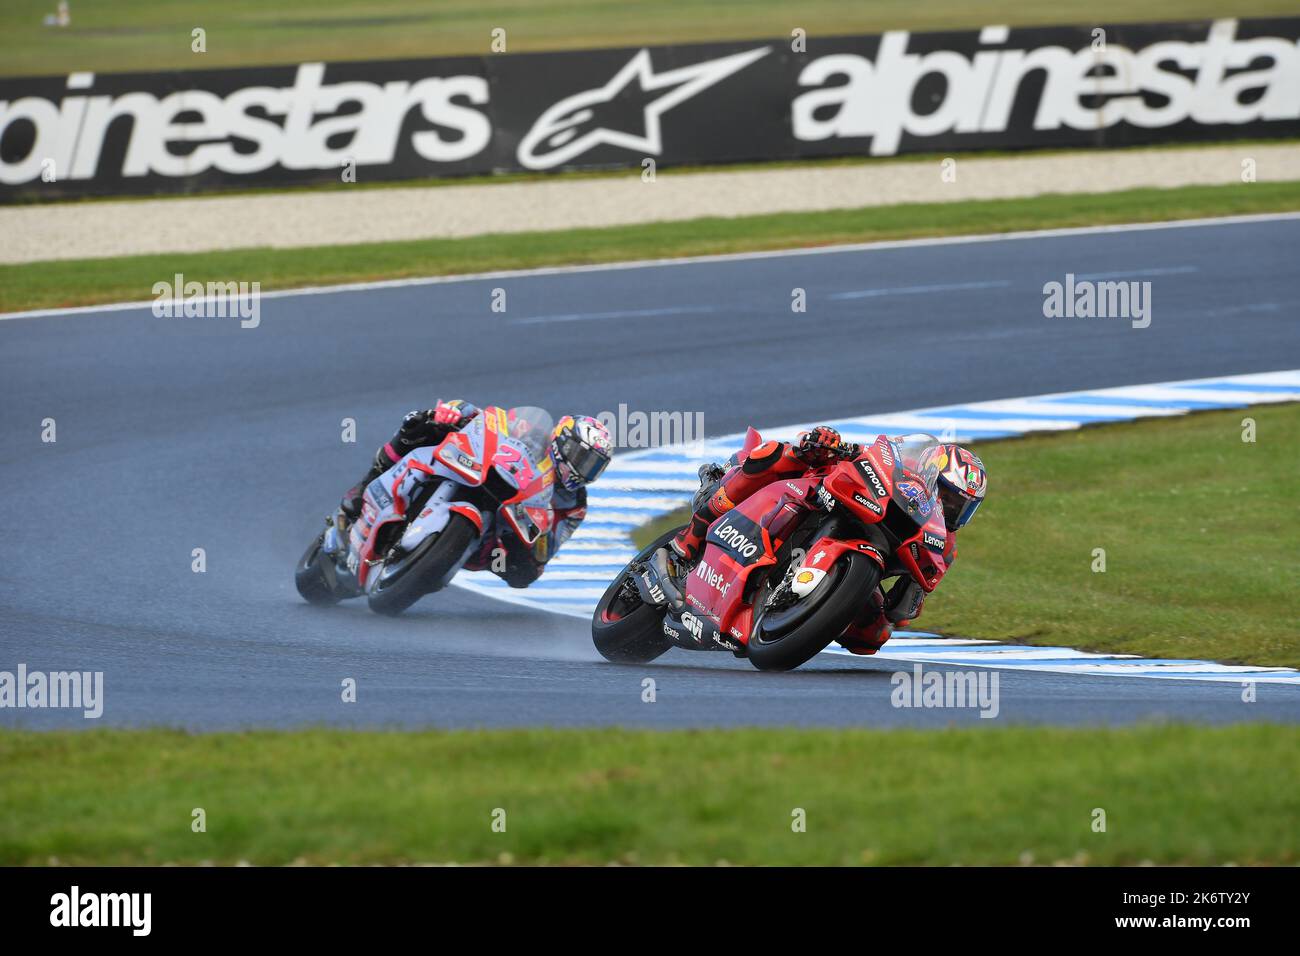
point(620, 314)
point(922, 289)
point(1136, 273)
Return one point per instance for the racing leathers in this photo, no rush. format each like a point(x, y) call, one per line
point(776, 461)
point(508, 557)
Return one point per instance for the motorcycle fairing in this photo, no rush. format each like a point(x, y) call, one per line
point(463, 452)
point(435, 514)
point(462, 455)
point(740, 544)
point(879, 480)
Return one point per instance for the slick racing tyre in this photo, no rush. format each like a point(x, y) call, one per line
point(784, 639)
point(314, 576)
point(627, 631)
point(425, 569)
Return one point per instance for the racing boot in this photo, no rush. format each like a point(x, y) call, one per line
point(721, 492)
point(684, 550)
point(350, 506)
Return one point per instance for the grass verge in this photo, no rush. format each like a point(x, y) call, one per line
point(131, 35)
point(131, 278)
point(1172, 794)
point(1199, 560)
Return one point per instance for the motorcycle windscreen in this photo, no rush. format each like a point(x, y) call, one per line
point(916, 476)
point(532, 426)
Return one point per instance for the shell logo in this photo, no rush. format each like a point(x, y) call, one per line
point(806, 581)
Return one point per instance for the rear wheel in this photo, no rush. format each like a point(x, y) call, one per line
point(785, 638)
point(314, 576)
point(624, 629)
point(425, 569)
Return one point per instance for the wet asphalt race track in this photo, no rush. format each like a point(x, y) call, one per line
point(194, 433)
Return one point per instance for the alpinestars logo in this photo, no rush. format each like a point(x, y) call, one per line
point(578, 123)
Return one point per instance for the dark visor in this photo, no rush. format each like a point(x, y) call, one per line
point(586, 462)
point(957, 508)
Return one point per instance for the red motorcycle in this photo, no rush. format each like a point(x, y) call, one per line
point(794, 567)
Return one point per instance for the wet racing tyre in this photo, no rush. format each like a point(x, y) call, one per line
point(425, 569)
point(314, 578)
point(793, 637)
point(630, 633)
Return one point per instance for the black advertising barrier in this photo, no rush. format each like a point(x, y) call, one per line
point(996, 88)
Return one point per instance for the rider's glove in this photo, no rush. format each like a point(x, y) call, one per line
point(455, 414)
point(446, 414)
point(819, 445)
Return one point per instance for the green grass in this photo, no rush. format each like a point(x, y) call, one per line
point(131, 278)
point(1171, 794)
point(131, 35)
point(1197, 525)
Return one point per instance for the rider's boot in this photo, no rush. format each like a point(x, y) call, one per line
point(350, 506)
point(683, 551)
point(686, 548)
point(763, 464)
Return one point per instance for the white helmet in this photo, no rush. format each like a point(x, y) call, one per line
point(582, 448)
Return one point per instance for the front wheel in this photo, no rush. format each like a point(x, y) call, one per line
point(427, 568)
point(625, 630)
point(783, 640)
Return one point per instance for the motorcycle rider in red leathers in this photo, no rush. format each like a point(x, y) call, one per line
point(580, 448)
point(962, 483)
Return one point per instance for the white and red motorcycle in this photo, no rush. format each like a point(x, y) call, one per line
point(422, 519)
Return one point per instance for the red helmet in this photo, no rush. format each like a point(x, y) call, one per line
point(961, 485)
